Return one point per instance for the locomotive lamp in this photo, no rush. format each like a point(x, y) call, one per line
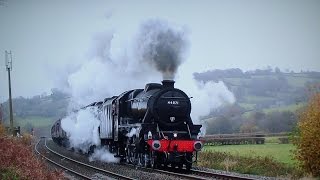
point(149, 135)
point(175, 135)
point(156, 145)
point(172, 119)
point(198, 145)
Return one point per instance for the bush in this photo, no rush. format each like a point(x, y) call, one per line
point(284, 140)
point(2, 130)
point(9, 173)
point(307, 138)
point(17, 161)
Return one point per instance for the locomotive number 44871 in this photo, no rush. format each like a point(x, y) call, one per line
point(173, 102)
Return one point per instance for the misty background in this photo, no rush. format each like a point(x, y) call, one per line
point(247, 64)
point(48, 39)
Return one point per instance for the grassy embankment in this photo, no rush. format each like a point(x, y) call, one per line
point(270, 159)
point(280, 152)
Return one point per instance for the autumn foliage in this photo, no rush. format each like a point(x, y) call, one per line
point(2, 130)
point(17, 160)
point(308, 137)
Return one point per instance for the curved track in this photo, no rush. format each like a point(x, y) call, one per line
point(207, 174)
point(174, 173)
point(87, 166)
point(197, 174)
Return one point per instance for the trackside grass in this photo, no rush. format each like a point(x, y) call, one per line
point(264, 159)
point(280, 152)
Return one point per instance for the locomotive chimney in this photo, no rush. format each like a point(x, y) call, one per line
point(168, 83)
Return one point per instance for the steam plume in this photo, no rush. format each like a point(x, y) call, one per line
point(206, 97)
point(82, 128)
point(102, 154)
point(111, 70)
point(162, 46)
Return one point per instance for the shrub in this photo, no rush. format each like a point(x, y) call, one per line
point(307, 138)
point(9, 173)
point(284, 140)
point(17, 161)
point(2, 130)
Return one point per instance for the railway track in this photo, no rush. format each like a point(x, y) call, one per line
point(219, 175)
point(169, 172)
point(87, 167)
point(197, 174)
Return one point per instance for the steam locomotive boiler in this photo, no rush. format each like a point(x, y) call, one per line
point(149, 127)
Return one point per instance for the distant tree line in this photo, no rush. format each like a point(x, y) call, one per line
point(218, 74)
point(231, 119)
point(53, 105)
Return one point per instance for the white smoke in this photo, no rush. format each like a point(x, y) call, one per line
point(115, 66)
point(102, 154)
point(205, 97)
point(82, 128)
point(109, 71)
point(209, 96)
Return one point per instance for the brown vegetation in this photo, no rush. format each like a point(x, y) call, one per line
point(307, 138)
point(17, 160)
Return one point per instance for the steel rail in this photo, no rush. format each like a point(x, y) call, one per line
point(59, 165)
point(201, 175)
point(220, 176)
point(197, 174)
point(90, 166)
point(185, 176)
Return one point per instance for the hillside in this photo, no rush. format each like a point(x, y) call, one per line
point(38, 112)
point(266, 89)
point(266, 100)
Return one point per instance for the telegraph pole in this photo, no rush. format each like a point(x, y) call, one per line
point(8, 56)
point(1, 114)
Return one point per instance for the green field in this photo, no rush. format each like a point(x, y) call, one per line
point(280, 152)
point(297, 81)
point(251, 99)
point(292, 108)
point(36, 121)
point(247, 106)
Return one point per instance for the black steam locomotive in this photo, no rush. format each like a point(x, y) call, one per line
point(149, 127)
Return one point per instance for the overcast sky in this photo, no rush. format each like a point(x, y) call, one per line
point(46, 36)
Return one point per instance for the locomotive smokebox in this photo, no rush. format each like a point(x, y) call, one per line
point(168, 83)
